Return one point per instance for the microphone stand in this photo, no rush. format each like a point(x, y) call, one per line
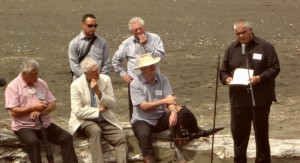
point(251, 87)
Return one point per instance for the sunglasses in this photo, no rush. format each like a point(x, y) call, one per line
point(92, 25)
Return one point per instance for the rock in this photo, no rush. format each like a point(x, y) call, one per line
point(11, 148)
point(2, 82)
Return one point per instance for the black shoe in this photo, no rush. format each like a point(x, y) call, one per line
point(206, 133)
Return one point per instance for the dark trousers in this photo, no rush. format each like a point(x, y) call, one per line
point(241, 118)
point(56, 135)
point(143, 130)
point(130, 103)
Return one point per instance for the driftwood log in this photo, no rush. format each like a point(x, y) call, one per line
point(13, 150)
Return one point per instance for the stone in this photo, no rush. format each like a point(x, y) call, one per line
point(2, 82)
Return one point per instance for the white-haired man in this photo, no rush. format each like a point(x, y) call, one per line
point(92, 99)
point(27, 98)
point(140, 42)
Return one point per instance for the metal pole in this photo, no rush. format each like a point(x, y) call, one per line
point(251, 87)
point(49, 154)
point(215, 110)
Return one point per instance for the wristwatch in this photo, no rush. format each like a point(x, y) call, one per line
point(174, 110)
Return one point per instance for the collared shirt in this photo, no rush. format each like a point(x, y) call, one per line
point(94, 104)
point(263, 59)
point(19, 94)
point(142, 91)
point(98, 52)
point(131, 48)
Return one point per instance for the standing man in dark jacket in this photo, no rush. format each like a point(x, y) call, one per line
point(262, 58)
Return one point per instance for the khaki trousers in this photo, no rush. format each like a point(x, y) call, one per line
point(96, 132)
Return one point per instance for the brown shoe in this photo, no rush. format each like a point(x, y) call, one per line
point(149, 159)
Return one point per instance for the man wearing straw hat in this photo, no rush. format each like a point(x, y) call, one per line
point(140, 42)
point(155, 108)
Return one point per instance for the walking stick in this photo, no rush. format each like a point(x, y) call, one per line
point(177, 146)
point(49, 154)
point(215, 110)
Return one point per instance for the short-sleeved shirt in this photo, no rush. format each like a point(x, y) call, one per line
point(142, 91)
point(19, 94)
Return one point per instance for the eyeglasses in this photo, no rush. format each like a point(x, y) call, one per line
point(92, 25)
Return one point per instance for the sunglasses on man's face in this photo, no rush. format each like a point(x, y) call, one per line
point(92, 25)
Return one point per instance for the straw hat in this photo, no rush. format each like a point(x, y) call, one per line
point(145, 60)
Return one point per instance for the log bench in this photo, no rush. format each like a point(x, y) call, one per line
point(12, 149)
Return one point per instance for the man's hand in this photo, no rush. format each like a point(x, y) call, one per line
point(127, 78)
point(170, 100)
point(228, 80)
point(95, 88)
point(40, 106)
point(101, 107)
point(172, 119)
point(34, 115)
point(143, 39)
point(254, 80)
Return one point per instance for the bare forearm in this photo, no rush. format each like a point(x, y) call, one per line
point(148, 106)
point(50, 108)
point(17, 111)
point(172, 108)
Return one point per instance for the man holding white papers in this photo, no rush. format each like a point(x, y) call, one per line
point(264, 64)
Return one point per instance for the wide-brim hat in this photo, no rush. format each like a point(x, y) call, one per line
point(145, 60)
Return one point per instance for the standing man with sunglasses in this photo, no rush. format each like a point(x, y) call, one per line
point(87, 44)
point(140, 42)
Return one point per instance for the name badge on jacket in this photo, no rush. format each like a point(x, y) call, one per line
point(257, 56)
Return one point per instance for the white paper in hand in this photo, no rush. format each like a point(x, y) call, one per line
point(241, 76)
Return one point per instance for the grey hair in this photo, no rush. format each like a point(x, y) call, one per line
point(87, 64)
point(242, 22)
point(28, 65)
point(134, 20)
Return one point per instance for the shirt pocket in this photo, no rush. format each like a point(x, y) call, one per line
point(97, 53)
